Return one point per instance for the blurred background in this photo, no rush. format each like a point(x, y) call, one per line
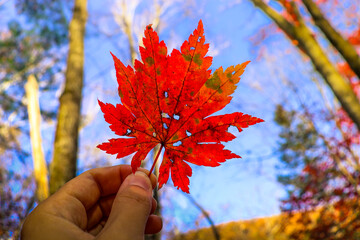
point(299, 175)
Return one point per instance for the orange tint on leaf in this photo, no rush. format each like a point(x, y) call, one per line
point(167, 100)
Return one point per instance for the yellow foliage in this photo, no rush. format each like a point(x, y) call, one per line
point(255, 229)
point(306, 225)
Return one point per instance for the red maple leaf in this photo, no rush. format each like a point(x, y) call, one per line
point(167, 100)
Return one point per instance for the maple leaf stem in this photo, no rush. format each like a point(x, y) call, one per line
point(156, 158)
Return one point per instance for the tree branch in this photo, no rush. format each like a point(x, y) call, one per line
point(345, 48)
point(282, 23)
point(206, 215)
point(125, 20)
point(309, 45)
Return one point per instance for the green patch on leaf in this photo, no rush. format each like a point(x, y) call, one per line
point(229, 76)
point(175, 137)
point(150, 61)
point(187, 57)
point(190, 150)
point(162, 51)
point(214, 82)
point(120, 93)
point(197, 59)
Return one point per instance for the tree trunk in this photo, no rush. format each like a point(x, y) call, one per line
point(308, 44)
point(40, 168)
point(63, 166)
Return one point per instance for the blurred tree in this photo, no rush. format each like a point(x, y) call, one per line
point(63, 165)
point(12, 207)
point(295, 26)
point(319, 172)
point(30, 45)
point(31, 48)
point(319, 142)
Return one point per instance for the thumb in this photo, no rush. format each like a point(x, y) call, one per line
point(130, 210)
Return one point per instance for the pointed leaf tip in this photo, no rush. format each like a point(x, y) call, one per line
point(200, 25)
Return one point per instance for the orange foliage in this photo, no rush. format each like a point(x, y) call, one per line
point(290, 226)
point(289, 11)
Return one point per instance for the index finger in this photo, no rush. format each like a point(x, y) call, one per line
point(99, 182)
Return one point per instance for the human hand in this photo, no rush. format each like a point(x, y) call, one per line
point(102, 203)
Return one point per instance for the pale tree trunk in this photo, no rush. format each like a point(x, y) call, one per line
point(309, 45)
point(63, 166)
point(40, 168)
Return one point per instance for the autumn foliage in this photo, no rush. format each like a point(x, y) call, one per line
point(283, 227)
point(319, 137)
point(319, 151)
point(169, 100)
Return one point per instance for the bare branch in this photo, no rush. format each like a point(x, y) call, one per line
point(206, 215)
